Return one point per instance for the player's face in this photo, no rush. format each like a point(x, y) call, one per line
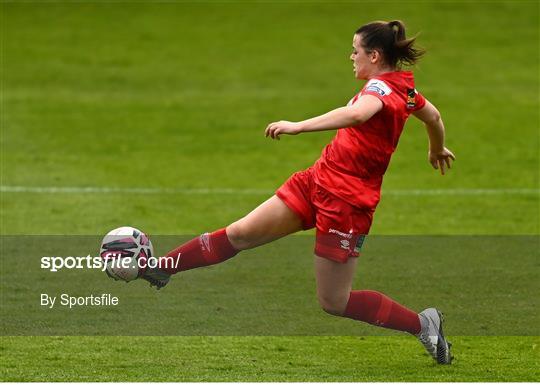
point(363, 62)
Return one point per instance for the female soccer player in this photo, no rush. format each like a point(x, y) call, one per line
point(339, 193)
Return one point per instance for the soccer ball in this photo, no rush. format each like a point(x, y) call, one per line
point(126, 252)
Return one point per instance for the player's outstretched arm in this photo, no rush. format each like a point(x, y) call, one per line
point(364, 108)
point(439, 156)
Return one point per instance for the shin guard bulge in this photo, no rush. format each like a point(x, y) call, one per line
point(204, 250)
point(377, 309)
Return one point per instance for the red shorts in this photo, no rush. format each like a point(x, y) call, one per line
point(341, 227)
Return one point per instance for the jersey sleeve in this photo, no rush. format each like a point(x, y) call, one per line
point(377, 88)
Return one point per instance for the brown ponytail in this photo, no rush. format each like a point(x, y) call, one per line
point(389, 37)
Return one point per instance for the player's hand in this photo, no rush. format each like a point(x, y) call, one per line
point(440, 160)
point(275, 129)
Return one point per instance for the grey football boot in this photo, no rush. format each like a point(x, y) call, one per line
point(432, 336)
point(156, 277)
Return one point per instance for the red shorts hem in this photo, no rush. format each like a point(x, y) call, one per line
point(338, 246)
point(330, 253)
point(307, 222)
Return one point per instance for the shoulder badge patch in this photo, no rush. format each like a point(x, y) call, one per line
point(411, 97)
point(378, 86)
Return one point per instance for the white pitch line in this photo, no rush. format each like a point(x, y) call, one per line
point(465, 191)
point(130, 190)
point(247, 191)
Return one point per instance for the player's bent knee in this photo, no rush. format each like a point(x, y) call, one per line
point(333, 305)
point(239, 236)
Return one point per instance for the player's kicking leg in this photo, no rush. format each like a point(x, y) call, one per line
point(266, 223)
point(334, 283)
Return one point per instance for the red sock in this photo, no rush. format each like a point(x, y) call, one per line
point(378, 309)
point(207, 249)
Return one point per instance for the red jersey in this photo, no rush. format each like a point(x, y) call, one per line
point(353, 164)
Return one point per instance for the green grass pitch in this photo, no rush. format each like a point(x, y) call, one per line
point(177, 94)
